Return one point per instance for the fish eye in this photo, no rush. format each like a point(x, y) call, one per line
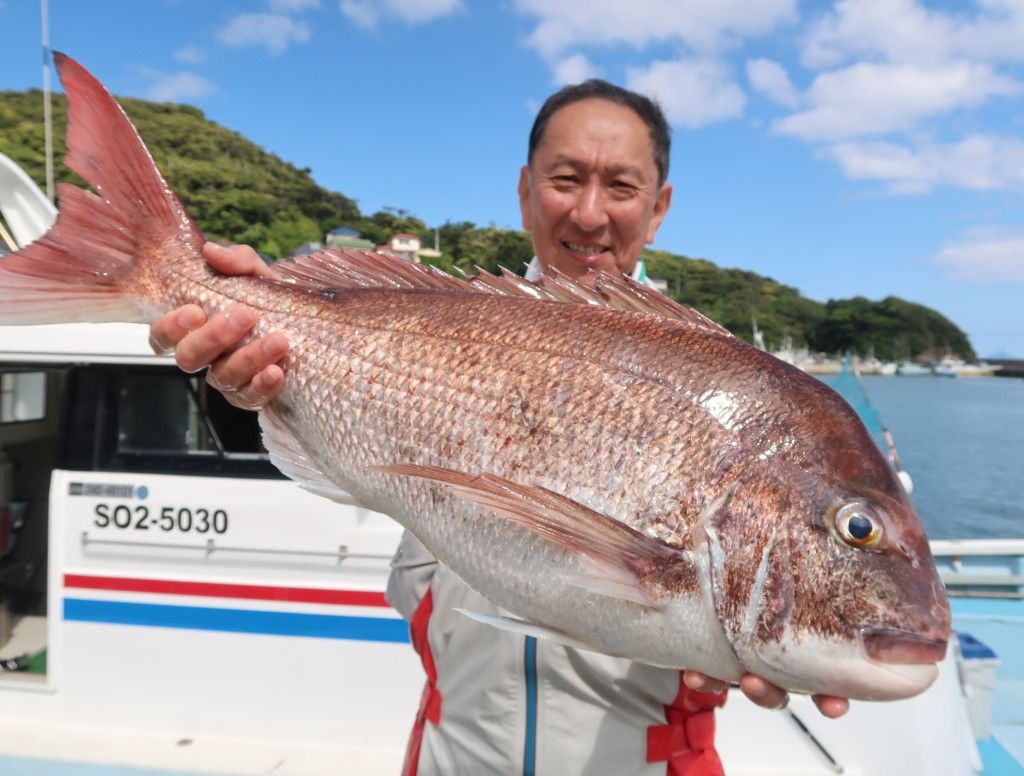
point(858, 527)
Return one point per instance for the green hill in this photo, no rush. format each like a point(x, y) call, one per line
point(238, 192)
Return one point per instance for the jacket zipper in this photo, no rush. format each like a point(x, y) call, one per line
point(530, 744)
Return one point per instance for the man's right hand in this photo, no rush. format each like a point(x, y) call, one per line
point(250, 376)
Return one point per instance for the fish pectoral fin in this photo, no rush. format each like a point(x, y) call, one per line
point(524, 628)
point(289, 454)
point(617, 560)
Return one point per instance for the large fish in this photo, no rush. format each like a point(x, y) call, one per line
point(612, 469)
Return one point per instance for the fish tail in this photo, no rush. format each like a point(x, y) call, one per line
point(100, 260)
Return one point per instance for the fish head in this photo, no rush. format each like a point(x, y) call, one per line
point(824, 579)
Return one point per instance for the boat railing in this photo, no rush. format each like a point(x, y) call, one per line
point(985, 568)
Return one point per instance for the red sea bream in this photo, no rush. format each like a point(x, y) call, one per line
point(614, 470)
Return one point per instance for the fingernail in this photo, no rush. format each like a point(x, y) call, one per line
point(240, 319)
point(160, 348)
point(274, 346)
point(271, 377)
point(695, 682)
point(191, 318)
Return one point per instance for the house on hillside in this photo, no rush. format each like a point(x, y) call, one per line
point(307, 248)
point(347, 237)
point(405, 246)
point(408, 247)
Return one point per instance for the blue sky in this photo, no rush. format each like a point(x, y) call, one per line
point(867, 147)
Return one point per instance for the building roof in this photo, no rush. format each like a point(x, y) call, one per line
point(405, 235)
point(344, 231)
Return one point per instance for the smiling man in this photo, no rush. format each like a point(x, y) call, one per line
point(593, 193)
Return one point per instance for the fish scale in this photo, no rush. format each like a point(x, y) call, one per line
point(617, 471)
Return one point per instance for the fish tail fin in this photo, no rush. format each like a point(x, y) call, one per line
point(98, 262)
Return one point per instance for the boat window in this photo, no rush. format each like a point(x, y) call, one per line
point(178, 415)
point(157, 420)
point(22, 396)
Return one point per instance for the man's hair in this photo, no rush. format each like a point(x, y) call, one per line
point(644, 107)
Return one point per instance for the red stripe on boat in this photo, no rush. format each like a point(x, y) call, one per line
point(306, 595)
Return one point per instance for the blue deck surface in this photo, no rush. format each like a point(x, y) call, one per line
point(999, 623)
point(20, 766)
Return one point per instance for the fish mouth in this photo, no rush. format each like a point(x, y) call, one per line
point(899, 647)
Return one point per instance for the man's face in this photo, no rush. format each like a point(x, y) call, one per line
point(590, 196)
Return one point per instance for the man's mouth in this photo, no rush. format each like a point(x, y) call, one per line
point(584, 250)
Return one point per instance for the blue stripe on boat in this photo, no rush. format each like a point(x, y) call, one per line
point(323, 626)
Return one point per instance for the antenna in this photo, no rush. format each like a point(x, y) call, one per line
point(44, 12)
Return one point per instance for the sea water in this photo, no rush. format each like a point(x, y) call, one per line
point(962, 441)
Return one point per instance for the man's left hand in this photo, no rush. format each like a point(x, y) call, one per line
point(766, 694)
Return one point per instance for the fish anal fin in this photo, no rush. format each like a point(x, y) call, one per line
point(289, 454)
point(619, 561)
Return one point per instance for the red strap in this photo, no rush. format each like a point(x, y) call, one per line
point(430, 702)
point(687, 742)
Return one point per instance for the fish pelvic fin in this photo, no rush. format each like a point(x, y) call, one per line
point(294, 460)
point(90, 265)
point(525, 628)
point(617, 561)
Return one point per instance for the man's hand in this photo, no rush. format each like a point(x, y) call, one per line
point(765, 694)
point(248, 377)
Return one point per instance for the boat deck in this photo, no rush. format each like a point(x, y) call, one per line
point(999, 623)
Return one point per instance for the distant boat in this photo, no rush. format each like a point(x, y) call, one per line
point(957, 367)
point(912, 369)
point(873, 366)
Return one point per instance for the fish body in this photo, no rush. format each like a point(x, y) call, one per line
point(614, 470)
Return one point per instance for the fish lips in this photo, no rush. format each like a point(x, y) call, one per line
point(893, 646)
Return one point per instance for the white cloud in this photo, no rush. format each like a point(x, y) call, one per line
point(367, 13)
point(770, 79)
point(985, 256)
point(293, 6)
point(190, 54)
point(869, 98)
point(692, 92)
point(574, 69)
point(176, 87)
point(979, 162)
point(906, 31)
point(704, 25)
point(275, 31)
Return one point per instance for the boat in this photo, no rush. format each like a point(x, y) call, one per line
point(887, 368)
point(170, 602)
point(950, 366)
point(912, 369)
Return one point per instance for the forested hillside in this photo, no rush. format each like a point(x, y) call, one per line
point(239, 192)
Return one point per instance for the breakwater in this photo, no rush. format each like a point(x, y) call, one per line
point(1011, 367)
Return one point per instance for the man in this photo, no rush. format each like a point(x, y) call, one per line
point(592, 194)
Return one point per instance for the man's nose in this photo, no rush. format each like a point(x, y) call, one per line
point(590, 212)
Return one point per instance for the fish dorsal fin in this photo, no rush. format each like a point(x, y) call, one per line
point(618, 561)
point(289, 454)
point(350, 268)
